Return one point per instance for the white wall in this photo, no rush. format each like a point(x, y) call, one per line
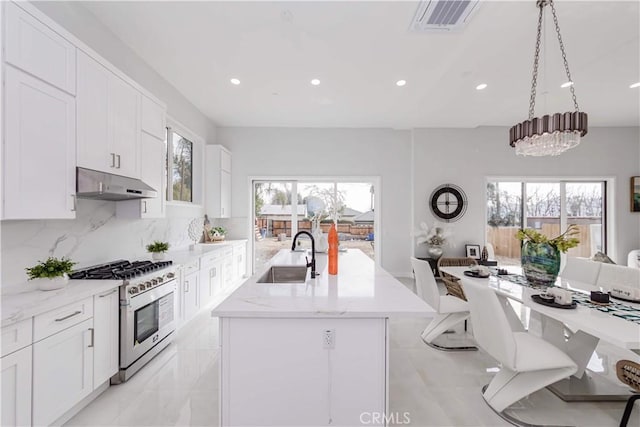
point(85, 26)
point(465, 157)
point(328, 152)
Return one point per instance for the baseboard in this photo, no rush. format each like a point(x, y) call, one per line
point(81, 405)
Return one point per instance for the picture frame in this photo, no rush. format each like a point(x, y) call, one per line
point(473, 251)
point(635, 193)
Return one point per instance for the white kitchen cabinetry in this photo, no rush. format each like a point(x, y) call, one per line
point(35, 48)
point(153, 118)
point(16, 388)
point(239, 261)
point(190, 291)
point(62, 371)
point(108, 120)
point(210, 277)
point(218, 181)
point(39, 149)
point(106, 336)
point(152, 173)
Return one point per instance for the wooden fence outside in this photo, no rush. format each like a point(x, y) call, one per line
point(275, 227)
point(505, 243)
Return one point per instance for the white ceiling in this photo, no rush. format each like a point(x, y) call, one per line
point(359, 49)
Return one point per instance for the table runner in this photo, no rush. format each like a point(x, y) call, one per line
point(614, 308)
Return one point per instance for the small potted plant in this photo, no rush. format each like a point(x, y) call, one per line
point(51, 274)
point(217, 234)
point(157, 249)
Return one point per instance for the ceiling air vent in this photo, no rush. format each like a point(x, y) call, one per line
point(442, 15)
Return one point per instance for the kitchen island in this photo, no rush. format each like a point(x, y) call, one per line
point(315, 352)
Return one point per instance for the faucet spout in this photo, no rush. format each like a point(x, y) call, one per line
point(311, 264)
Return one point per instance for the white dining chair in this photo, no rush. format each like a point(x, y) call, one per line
point(449, 310)
point(581, 270)
point(527, 363)
point(617, 275)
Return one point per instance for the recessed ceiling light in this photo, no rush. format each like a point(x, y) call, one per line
point(635, 85)
point(235, 82)
point(315, 82)
point(566, 84)
point(481, 86)
point(401, 82)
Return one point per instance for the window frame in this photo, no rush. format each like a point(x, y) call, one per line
point(197, 164)
point(608, 207)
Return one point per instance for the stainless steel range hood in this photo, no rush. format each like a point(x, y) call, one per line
point(92, 184)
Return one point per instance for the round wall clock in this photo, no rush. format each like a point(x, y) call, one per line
point(448, 202)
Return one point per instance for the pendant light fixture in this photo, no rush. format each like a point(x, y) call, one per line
point(549, 135)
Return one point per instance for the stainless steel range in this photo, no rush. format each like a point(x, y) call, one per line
point(147, 309)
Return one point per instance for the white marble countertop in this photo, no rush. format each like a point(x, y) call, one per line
point(32, 302)
point(184, 256)
point(358, 290)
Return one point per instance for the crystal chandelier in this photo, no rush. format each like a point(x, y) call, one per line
point(548, 135)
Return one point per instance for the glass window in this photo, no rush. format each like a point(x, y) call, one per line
point(548, 207)
point(180, 154)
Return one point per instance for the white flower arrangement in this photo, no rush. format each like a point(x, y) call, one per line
point(437, 235)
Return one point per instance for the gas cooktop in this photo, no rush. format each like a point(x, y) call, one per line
point(120, 270)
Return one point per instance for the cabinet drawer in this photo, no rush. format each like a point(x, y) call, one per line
point(228, 252)
point(17, 336)
point(191, 267)
point(210, 258)
point(35, 48)
point(61, 318)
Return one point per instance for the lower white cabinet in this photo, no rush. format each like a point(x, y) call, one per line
point(227, 271)
point(16, 388)
point(106, 336)
point(239, 261)
point(190, 291)
point(62, 371)
point(210, 282)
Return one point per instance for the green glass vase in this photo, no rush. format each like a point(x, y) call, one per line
point(540, 263)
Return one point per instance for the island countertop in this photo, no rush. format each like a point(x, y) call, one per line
point(360, 289)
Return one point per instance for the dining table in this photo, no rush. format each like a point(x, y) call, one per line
point(576, 331)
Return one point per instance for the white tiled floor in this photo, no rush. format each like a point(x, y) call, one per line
point(180, 387)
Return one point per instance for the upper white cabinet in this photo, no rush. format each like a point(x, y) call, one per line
point(39, 149)
point(38, 50)
point(153, 118)
point(108, 120)
point(218, 181)
point(106, 340)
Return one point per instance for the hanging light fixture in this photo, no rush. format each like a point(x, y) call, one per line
point(548, 135)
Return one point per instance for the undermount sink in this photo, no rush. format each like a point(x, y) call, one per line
point(284, 274)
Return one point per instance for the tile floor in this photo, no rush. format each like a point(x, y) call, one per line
point(180, 387)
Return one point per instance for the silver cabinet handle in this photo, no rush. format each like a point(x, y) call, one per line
point(113, 160)
point(69, 316)
point(186, 288)
point(118, 157)
point(145, 206)
point(113, 291)
point(212, 272)
point(73, 196)
point(92, 337)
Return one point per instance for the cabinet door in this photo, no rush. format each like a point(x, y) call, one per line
point(32, 46)
point(93, 116)
point(124, 107)
point(152, 120)
point(62, 372)
point(205, 286)
point(215, 278)
point(239, 259)
point(225, 194)
point(154, 154)
point(16, 388)
point(39, 149)
point(106, 336)
point(227, 271)
point(190, 295)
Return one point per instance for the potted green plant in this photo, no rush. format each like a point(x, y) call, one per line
point(217, 234)
point(541, 255)
point(157, 249)
point(51, 274)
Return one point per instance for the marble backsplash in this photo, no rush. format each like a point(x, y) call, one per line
point(95, 236)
